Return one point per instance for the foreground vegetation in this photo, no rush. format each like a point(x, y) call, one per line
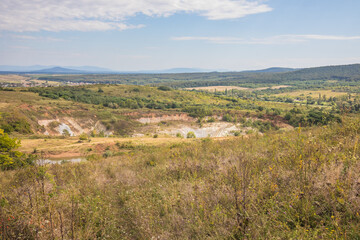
point(302, 184)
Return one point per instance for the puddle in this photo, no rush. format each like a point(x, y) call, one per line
point(59, 161)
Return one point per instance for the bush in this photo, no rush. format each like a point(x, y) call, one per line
point(210, 120)
point(83, 137)
point(54, 124)
point(179, 135)
point(9, 158)
point(107, 154)
point(191, 135)
point(227, 118)
point(198, 111)
point(237, 133)
point(165, 88)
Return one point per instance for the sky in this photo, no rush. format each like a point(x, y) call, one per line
point(130, 35)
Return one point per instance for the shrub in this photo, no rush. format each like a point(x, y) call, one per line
point(54, 124)
point(227, 118)
point(165, 88)
point(107, 154)
point(198, 111)
point(191, 135)
point(83, 137)
point(237, 133)
point(9, 157)
point(179, 135)
point(210, 120)
point(66, 133)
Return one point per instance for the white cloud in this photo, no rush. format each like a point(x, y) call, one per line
point(29, 37)
point(101, 15)
point(280, 39)
point(327, 37)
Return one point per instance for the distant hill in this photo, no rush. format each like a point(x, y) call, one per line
point(41, 68)
point(183, 80)
point(91, 69)
point(185, 70)
point(271, 70)
point(176, 70)
point(340, 72)
point(59, 70)
point(8, 68)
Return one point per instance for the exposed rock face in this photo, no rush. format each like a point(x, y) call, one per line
point(72, 126)
point(219, 129)
point(157, 119)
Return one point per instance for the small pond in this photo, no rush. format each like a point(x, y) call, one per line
point(60, 161)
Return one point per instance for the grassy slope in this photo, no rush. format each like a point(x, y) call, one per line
point(32, 107)
point(299, 185)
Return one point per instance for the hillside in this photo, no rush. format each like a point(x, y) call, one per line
point(130, 110)
point(344, 72)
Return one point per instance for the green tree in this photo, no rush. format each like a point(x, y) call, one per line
point(9, 158)
point(83, 137)
point(191, 135)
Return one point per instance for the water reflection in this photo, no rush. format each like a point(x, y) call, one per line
point(59, 161)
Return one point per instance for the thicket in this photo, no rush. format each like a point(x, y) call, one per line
point(86, 95)
point(315, 116)
point(14, 122)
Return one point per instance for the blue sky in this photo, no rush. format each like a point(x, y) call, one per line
point(159, 34)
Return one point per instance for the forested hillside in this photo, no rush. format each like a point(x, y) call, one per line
point(341, 73)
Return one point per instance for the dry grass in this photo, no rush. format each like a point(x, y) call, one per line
point(12, 78)
point(301, 184)
point(71, 147)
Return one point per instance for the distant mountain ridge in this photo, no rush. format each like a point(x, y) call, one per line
point(324, 72)
point(178, 70)
point(272, 70)
point(42, 68)
point(58, 70)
